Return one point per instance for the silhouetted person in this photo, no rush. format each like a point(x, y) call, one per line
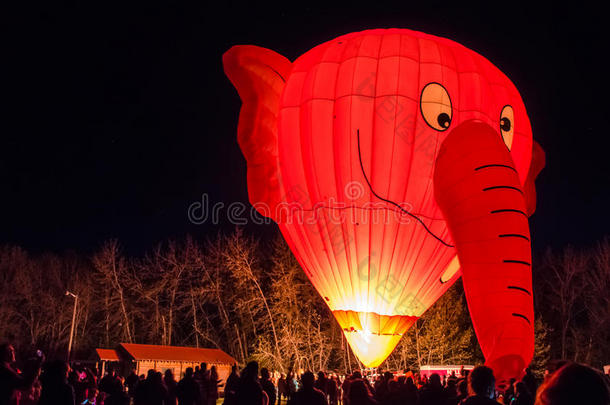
point(333, 390)
point(187, 389)
point(292, 384)
point(433, 393)
point(142, 389)
point(381, 386)
point(250, 391)
point(409, 393)
point(151, 391)
point(282, 388)
point(574, 384)
point(308, 394)
point(110, 383)
point(10, 379)
point(131, 381)
point(55, 387)
point(393, 396)
point(451, 391)
point(268, 386)
point(482, 387)
point(522, 395)
point(212, 387)
point(202, 376)
point(322, 382)
point(91, 397)
point(462, 388)
point(157, 394)
point(231, 386)
point(360, 393)
point(510, 392)
point(530, 381)
point(171, 385)
point(452, 377)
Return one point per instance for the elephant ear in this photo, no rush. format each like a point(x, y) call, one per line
point(259, 75)
point(538, 163)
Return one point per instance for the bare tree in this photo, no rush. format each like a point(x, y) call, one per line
point(114, 276)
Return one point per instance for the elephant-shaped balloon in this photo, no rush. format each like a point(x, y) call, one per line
point(395, 162)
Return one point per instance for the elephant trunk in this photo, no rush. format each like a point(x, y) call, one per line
point(478, 190)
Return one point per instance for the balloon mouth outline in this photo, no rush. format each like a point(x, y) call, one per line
point(414, 216)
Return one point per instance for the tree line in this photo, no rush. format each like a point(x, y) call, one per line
point(252, 300)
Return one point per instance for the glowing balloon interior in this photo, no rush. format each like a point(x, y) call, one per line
point(393, 162)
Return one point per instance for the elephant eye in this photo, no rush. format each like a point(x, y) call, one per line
point(507, 125)
point(435, 106)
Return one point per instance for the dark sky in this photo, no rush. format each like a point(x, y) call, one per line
point(119, 116)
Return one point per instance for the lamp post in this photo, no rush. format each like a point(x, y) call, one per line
point(73, 320)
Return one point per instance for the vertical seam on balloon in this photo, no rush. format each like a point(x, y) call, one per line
point(371, 165)
point(371, 155)
point(392, 305)
point(311, 187)
point(413, 130)
point(445, 51)
point(320, 219)
point(343, 225)
point(327, 224)
point(415, 231)
point(359, 284)
point(430, 182)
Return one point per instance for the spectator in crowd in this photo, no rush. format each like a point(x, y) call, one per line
point(171, 386)
point(231, 386)
point(393, 396)
point(530, 381)
point(291, 381)
point(202, 376)
point(213, 383)
point(360, 393)
point(187, 390)
point(55, 387)
point(308, 394)
point(131, 381)
point(409, 392)
point(282, 388)
point(451, 391)
point(11, 380)
point(250, 391)
point(91, 397)
point(481, 384)
point(333, 390)
point(433, 393)
point(522, 395)
point(110, 383)
point(268, 386)
point(462, 388)
point(322, 383)
point(574, 383)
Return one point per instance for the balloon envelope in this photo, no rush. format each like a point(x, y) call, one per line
point(342, 147)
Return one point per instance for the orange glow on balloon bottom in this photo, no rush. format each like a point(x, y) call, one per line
point(371, 336)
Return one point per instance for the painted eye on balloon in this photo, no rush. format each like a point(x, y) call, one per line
point(435, 106)
point(507, 125)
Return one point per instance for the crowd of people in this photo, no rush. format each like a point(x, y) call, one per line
point(55, 383)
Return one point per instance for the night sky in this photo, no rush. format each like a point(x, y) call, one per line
point(119, 116)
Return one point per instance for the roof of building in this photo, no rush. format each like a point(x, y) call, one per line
point(107, 354)
point(176, 353)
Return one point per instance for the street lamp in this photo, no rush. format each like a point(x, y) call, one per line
point(73, 319)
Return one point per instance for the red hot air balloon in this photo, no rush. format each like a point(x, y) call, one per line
point(393, 162)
